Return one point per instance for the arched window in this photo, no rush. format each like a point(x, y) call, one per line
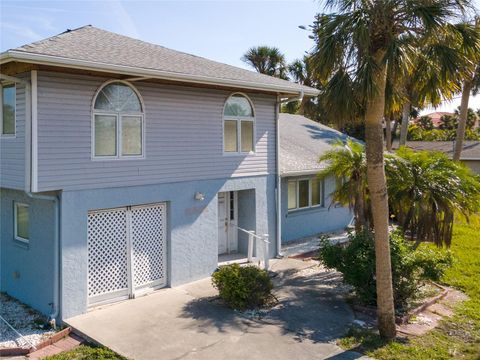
point(238, 125)
point(118, 124)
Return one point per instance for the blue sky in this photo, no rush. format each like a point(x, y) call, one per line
point(219, 30)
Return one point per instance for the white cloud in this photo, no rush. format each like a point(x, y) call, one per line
point(123, 18)
point(22, 31)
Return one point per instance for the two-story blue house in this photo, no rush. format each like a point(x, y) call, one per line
point(126, 167)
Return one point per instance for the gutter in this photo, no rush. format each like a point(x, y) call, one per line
point(42, 59)
point(279, 103)
point(30, 177)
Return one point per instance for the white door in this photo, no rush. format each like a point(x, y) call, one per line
point(127, 252)
point(222, 223)
point(227, 222)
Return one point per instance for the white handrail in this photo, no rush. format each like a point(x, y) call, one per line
point(251, 232)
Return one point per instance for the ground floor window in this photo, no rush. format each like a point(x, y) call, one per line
point(305, 193)
point(21, 222)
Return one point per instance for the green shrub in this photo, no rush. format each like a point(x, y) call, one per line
point(243, 287)
point(356, 262)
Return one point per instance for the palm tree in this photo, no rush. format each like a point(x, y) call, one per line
point(266, 60)
point(301, 72)
point(347, 163)
point(356, 43)
point(471, 83)
point(432, 189)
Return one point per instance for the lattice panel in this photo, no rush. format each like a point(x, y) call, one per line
point(149, 245)
point(107, 252)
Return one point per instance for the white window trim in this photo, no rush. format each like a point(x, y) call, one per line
point(16, 205)
point(2, 135)
point(239, 120)
point(118, 117)
point(297, 196)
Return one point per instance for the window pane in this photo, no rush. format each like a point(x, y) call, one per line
point(105, 135)
point(230, 136)
point(238, 105)
point(292, 195)
point(8, 101)
point(131, 135)
point(247, 136)
point(303, 193)
point(22, 221)
point(316, 192)
point(118, 97)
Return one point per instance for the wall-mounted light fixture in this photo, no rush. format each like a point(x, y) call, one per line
point(199, 196)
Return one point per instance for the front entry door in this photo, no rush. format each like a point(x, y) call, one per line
point(227, 222)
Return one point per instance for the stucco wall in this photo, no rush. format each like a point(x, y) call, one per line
point(309, 222)
point(192, 243)
point(27, 270)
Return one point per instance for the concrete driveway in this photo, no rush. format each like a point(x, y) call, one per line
point(188, 322)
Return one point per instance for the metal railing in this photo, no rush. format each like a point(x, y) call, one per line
point(251, 237)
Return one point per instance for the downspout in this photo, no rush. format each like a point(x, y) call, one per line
point(279, 102)
point(30, 111)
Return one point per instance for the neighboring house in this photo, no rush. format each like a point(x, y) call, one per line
point(307, 208)
point(435, 117)
point(126, 166)
point(470, 153)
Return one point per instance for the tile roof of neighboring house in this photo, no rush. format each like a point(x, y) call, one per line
point(96, 49)
point(471, 149)
point(435, 116)
point(302, 141)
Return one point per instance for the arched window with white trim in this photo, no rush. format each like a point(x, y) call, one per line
point(118, 122)
point(238, 125)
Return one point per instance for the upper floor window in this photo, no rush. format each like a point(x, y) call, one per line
point(238, 125)
point(118, 122)
point(305, 193)
point(8, 109)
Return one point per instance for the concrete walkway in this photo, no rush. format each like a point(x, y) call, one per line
point(189, 322)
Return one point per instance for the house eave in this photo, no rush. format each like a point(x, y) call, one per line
point(49, 60)
point(291, 173)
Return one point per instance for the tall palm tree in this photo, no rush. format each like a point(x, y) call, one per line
point(470, 84)
point(266, 60)
point(357, 42)
point(301, 72)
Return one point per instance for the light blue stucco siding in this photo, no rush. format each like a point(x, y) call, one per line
point(27, 270)
point(192, 227)
point(309, 222)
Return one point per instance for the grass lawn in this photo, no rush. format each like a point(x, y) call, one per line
point(457, 337)
point(87, 352)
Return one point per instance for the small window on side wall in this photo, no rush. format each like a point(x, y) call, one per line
point(22, 222)
point(305, 193)
point(8, 110)
point(238, 125)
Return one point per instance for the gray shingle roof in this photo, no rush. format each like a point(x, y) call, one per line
point(302, 141)
point(471, 149)
point(90, 45)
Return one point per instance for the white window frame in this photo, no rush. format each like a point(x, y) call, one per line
point(238, 120)
point(119, 118)
point(297, 194)
point(16, 205)
point(14, 135)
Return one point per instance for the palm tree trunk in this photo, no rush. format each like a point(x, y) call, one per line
point(405, 119)
point(388, 133)
point(379, 202)
point(462, 121)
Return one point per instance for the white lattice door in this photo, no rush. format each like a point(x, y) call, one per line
point(149, 251)
point(127, 252)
